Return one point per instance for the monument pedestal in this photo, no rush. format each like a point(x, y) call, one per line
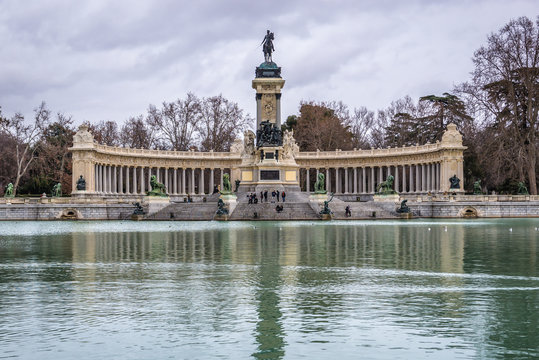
point(386, 198)
point(230, 201)
point(156, 203)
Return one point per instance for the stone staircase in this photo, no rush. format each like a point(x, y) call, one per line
point(364, 210)
point(185, 211)
point(266, 211)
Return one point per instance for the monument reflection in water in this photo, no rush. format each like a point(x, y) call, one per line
point(270, 290)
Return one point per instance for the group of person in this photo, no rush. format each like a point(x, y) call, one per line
point(276, 196)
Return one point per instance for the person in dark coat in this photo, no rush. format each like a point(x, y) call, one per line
point(283, 195)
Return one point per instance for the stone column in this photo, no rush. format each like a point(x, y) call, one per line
point(307, 181)
point(346, 180)
point(397, 188)
point(135, 187)
point(363, 181)
point(175, 181)
point(183, 181)
point(142, 185)
point(166, 181)
point(127, 185)
point(404, 179)
point(192, 190)
point(201, 181)
point(222, 173)
point(114, 180)
point(97, 178)
point(212, 181)
point(417, 178)
point(109, 179)
point(380, 174)
point(328, 180)
point(121, 182)
point(438, 182)
point(410, 167)
point(372, 179)
point(356, 190)
point(149, 177)
point(423, 178)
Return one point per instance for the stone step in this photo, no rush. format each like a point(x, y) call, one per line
point(185, 211)
point(266, 211)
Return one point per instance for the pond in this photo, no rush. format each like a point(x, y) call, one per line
point(419, 289)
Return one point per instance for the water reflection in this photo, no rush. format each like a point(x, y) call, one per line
point(271, 290)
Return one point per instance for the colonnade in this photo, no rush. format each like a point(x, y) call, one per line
point(112, 179)
point(408, 178)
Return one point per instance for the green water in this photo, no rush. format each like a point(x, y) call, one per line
point(420, 289)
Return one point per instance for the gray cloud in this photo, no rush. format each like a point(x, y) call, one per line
point(108, 60)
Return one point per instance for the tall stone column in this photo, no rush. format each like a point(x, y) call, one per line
point(363, 180)
point(404, 179)
point(142, 185)
point(356, 190)
point(114, 180)
point(222, 173)
point(411, 168)
point(328, 180)
point(135, 185)
point(192, 181)
point(372, 180)
point(202, 183)
point(166, 180)
point(183, 181)
point(346, 180)
point(149, 178)
point(380, 174)
point(127, 185)
point(417, 178)
point(175, 181)
point(307, 181)
point(109, 180)
point(121, 181)
point(397, 188)
point(423, 178)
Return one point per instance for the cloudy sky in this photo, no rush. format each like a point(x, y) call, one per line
point(108, 60)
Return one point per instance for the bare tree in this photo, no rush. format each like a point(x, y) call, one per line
point(504, 91)
point(105, 132)
point(361, 123)
point(176, 122)
point(26, 138)
point(137, 135)
point(221, 121)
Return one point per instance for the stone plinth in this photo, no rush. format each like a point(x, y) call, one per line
point(318, 198)
point(386, 198)
point(137, 217)
point(326, 216)
point(230, 200)
point(221, 217)
point(156, 203)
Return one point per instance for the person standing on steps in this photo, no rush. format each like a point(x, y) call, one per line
point(283, 195)
point(265, 195)
point(277, 192)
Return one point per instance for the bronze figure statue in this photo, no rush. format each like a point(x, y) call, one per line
point(267, 47)
point(455, 182)
point(81, 183)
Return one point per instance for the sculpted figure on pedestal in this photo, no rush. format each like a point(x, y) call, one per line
point(455, 182)
point(57, 190)
point(320, 184)
point(9, 190)
point(81, 183)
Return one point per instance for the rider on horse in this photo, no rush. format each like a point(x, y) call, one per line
point(268, 46)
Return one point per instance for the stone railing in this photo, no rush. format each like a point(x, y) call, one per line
point(470, 198)
point(405, 150)
point(114, 150)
